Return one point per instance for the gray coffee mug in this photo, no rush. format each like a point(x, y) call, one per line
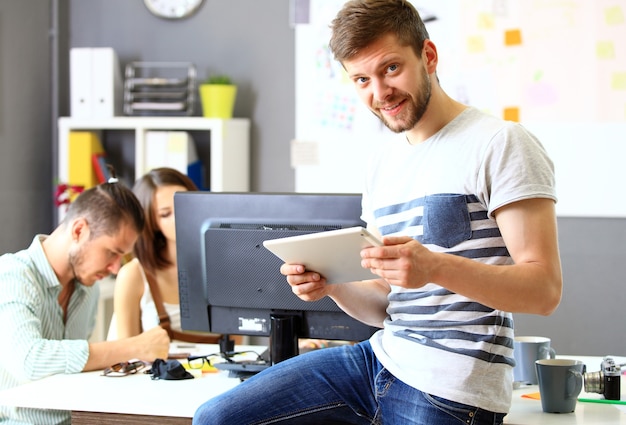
point(527, 350)
point(560, 382)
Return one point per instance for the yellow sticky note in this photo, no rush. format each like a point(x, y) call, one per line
point(618, 80)
point(605, 50)
point(614, 15)
point(511, 114)
point(485, 21)
point(512, 37)
point(475, 44)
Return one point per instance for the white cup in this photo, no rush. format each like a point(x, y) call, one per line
point(527, 350)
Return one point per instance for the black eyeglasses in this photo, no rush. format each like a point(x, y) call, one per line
point(197, 362)
point(124, 368)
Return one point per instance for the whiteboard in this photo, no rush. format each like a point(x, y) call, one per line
point(557, 67)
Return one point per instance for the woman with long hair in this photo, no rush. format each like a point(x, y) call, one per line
point(154, 259)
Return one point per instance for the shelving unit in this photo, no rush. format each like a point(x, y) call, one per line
point(229, 168)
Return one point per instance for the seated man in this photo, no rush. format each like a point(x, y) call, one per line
point(49, 297)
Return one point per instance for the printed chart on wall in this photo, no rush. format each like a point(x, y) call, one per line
point(556, 66)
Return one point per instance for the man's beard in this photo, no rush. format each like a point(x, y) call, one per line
point(414, 110)
point(75, 259)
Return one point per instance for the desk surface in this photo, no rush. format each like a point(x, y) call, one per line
point(139, 395)
point(132, 394)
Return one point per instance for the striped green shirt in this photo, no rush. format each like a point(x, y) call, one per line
point(36, 342)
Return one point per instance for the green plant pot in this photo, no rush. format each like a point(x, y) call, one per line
point(218, 100)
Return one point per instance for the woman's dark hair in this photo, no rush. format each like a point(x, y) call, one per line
point(361, 22)
point(150, 247)
point(106, 207)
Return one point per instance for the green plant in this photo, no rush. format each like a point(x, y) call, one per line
point(219, 79)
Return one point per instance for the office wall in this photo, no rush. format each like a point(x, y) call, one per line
point(25, 121)
point(590, 317)
point(249, 39)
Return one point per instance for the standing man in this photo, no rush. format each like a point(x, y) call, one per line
point(465, 204)
point(49, 296)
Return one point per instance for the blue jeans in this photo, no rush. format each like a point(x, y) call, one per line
point(341, 385)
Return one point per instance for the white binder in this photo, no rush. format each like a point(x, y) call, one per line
point(81, 97)
point(95, 83)
point(107, 87)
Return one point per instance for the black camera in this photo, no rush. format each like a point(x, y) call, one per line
point(606, 381)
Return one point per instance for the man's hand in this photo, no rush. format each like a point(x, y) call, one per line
point(402, 261)
point(307, 285)
point(152, 344)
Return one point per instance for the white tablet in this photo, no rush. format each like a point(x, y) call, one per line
point(335, 254)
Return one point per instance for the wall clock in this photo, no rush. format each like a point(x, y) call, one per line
point(173, 9)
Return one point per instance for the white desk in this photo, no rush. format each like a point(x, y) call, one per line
point(136, 399)
point(129, 395)
point(133, 399)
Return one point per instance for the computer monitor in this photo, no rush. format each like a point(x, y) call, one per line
point(231, 284)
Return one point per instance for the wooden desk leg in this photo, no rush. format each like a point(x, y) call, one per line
point(99, 418)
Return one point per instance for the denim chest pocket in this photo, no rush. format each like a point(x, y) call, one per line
point(446, 220)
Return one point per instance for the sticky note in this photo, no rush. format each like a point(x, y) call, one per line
point(304, 153)
point(475, 44)
point(485, 21)
point(605, 50)
point(511, 114)
point(618, 81)
point(513, 37)
point(614, 15)
point(533, 396)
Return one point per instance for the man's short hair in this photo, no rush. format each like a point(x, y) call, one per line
point(106, 207)
point(362, 22)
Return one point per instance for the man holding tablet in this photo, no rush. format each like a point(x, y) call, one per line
point(465, 203)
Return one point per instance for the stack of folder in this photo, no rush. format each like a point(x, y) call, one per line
point(159, 88)
point(95, 82)
point(86, 167)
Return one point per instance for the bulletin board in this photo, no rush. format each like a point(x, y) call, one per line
point(556, 66)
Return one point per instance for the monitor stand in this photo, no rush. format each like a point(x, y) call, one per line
point(245, 368)
point(283, 345)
